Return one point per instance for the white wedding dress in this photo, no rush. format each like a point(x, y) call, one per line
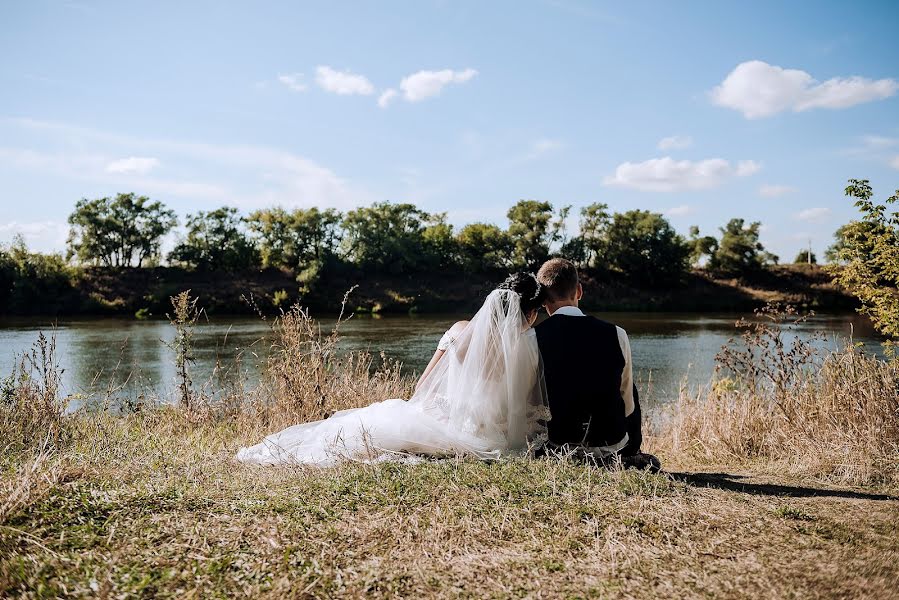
point(485, 397)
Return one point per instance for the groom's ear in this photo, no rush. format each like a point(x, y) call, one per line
point(580, 291)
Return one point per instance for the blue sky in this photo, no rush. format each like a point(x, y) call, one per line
point(703, 110)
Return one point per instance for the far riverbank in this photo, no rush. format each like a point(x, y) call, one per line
point(146, 292)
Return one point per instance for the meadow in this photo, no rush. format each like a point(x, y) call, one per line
point(781, 480)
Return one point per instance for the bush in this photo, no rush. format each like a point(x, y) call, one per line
point(869, 253)
point(779, 399)
point(32, 283)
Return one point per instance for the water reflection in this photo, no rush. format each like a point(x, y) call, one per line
point(669, 349)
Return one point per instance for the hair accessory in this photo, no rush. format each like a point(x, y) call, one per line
point(539, 286)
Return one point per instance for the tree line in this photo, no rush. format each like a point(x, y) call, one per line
point(400, 238)
point(387, 239)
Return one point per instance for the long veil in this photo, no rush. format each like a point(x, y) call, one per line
point(484, 397)
point(489, 384)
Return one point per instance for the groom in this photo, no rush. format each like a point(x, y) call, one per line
point(589, 376)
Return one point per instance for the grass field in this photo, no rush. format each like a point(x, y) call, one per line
point(781, 481)
point(154, 506)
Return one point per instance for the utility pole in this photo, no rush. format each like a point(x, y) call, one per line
point(808, 256)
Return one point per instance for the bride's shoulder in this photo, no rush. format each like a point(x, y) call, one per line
point(451, 334)
point(457, 328)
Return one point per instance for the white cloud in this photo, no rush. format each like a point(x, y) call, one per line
point(387, 97)
point(71, 164)
point(680, 211)
point(748, 167)
point(894, 162)
point(879, 141)
point(344, 83)
point(42, 236)
point(669, 175)
point(813, 215)
point(775, 191)
point(543, 147)
point(425, 84)
point(133, 164)
point(675, 142)
point(758, 90)
point(246, 177)
point(293, 82)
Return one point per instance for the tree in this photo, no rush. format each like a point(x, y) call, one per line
point(739, 252)
point(806, 257)
point(31, 282)
point(860, 231)
point(292, 239)
point(441, 250)
point(121, 232)
point(594, 223)
point(644, 247)
point(216, 241)
point(869, 251)
point(484, 247)
point(385, 236)
point(701, 246)
point(533, 230)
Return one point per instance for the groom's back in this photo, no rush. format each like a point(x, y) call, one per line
point(583, 363)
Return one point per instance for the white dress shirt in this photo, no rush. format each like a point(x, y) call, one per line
point(627, 375)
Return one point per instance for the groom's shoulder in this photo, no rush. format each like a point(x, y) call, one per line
point(599, 322)
point(584, 322)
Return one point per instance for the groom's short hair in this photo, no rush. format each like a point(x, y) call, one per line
point(559, 277)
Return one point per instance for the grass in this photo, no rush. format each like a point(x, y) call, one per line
point(153, 505)
point(779, 402)
point(149, 503)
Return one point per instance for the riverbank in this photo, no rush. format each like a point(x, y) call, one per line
point(789, 490)
point(147, 292)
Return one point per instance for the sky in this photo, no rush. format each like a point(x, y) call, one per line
point(702, 111)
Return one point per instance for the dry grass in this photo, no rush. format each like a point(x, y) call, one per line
point(780, 402)
point(151, 504)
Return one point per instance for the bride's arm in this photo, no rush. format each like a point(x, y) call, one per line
point(451, 334)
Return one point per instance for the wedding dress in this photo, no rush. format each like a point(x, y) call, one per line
point(485, 397)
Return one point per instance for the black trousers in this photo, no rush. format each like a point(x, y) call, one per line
point(634, 423)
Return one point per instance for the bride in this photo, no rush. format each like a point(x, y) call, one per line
point(482, 394)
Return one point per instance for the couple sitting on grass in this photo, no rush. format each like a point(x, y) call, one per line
point(497, 386)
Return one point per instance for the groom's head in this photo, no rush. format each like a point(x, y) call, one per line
point(559, 278)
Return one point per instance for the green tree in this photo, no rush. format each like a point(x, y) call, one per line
point(645, 248)
point(484, 247)
point(293, 239)
point(869, 253)
point(118, 232)
point(533, 230)
point(740, 252)
point(701, 246)
point(805, 257)
point(861, 232)
point(594, 223)
point(385, 236)
point(441, 249)
point(216, 241)
point(31, 282)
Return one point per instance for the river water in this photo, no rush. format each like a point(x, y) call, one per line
point(668, 348)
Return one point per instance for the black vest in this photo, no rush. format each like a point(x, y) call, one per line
point(582, 362)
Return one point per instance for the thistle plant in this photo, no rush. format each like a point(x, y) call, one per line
point(184, 318)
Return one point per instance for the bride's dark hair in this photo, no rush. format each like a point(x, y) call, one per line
point(530, 293)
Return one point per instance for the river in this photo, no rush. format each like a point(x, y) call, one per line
point(668, 348)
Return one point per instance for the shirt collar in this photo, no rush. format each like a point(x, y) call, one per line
point(570, 311)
